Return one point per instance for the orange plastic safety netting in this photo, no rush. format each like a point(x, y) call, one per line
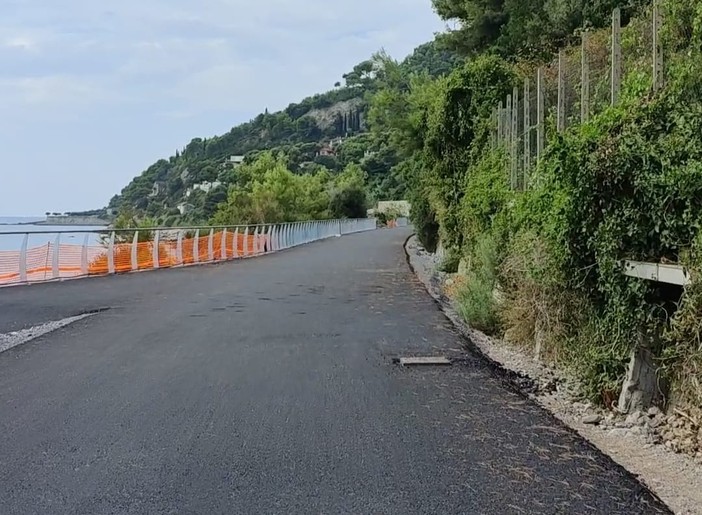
point(48, 261)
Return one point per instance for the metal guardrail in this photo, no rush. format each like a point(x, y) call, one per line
point(111, 251)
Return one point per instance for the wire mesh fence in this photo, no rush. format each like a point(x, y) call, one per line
point(583, 80)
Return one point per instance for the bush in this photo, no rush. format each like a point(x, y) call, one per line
point(476, 297)
point(451, 260)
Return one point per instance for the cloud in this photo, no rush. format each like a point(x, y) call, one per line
point(129, 65)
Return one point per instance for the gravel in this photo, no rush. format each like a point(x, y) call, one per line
point(15, 338)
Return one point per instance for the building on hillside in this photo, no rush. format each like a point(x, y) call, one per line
point(236, 161)
point(203, 186)
point(326, 150)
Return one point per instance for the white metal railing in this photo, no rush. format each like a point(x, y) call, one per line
point(51, 255)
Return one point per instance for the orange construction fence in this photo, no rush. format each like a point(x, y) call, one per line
point(49, 261)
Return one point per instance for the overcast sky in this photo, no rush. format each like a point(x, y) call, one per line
point(93, 92)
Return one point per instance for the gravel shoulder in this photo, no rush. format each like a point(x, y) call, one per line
point(642, 443)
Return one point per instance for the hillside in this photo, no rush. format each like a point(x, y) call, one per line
point(325, 131)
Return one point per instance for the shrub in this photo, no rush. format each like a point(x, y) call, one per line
point(476, 296)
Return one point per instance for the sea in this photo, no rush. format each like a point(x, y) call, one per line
point(39, 234)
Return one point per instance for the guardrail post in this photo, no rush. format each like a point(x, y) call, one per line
point(157, 237)
point(236, 243)
point(55, 272)
point(179, 248)
point(84, 256)
point(224, 244)
point(257, 242)
point(196, 247)
point(210, 246)
point(246, 242)
point(23, 259)
point(111, 254)
point(135, 248)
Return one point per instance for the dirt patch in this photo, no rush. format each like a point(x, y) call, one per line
point(643, 443)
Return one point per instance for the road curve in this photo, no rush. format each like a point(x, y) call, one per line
point(267, 386)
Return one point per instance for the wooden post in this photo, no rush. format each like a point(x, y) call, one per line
point(515, 137)
point(540, 129)
point(657, 47)
point(616, 55)
point(527, 131)
point(585, 82)
point(561, 125)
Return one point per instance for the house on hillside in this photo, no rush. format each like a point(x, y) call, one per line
point(236, 161)
point(203, 186)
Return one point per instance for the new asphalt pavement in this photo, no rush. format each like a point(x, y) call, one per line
point(268, 385)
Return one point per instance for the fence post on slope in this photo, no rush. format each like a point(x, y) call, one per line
point(500, 124)
point(134, 251)
point(508, 132)
point(111, 254)
point(196, 246)
point(540, 126)
point(616, 54)
point(55, 272)
point(156, 261)
point(514, 152)
point(585, 80)
point(224, 244)
point(84, 256)
point(527, 132)
point(561, 118)
point(658, 78)
point(179, 247)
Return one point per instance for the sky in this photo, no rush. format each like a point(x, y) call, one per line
point(93, 92)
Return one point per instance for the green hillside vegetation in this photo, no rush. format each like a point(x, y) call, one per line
point(540, 264)
point(300, 136)
point(625, 185)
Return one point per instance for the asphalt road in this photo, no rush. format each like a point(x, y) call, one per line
point(267, 386)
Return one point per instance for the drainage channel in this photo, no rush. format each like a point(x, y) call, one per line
point(15, 338)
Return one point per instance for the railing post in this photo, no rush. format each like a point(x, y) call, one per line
point(157, 237)
point(111, 254)
point(246, 242)
point(210, 246)
point(224, 244)
point(236, 243)
point(55, 272)
point(135, 249)
point(257, 242)
point(196, 247)
point(179, 248)
point(23, 259)
point(84, 256)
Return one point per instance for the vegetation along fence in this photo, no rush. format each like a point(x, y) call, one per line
point(127, 250)
point(580, 82)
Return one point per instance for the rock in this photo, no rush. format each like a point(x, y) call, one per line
point(653, 411)
point(670, 420)
point(621, 424)
point(592, 420)
point(655, 422)
point(634, 419)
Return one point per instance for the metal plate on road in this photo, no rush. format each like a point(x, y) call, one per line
point(424, 360)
